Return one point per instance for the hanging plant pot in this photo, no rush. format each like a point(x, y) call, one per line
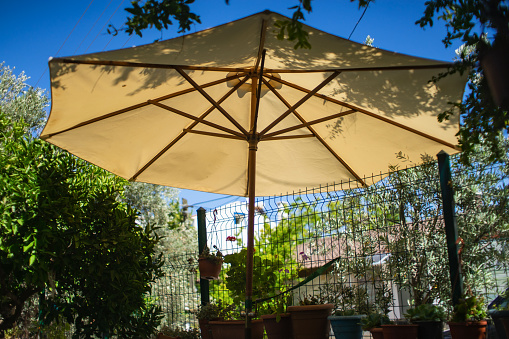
point(281, 329)
point(468, 330)
point(496, 70)
point(310, 321)
point(209, 269)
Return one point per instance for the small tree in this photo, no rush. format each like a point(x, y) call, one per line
point(63, 230)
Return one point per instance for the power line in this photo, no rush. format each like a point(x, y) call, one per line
point(105, 26)
point(91, 28)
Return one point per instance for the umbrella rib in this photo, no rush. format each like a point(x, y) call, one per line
point(189, 129)
point(366, 112)
point(140, 105)
point(219, 135)
point(289, 137)
point(147, 65)
point(362, 69)
point(197, 119)
point(317, 136)
point(212, 101)
point(243, 69)
point(300, 102)
point(308, 123)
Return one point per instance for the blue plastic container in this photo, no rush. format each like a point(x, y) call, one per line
point(346, 327)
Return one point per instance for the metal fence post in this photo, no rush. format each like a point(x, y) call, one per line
point(451, 228)
point(202, 242)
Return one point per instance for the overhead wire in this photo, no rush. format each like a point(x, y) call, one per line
point(79, 20)
point(91, 28)
point(109, 20)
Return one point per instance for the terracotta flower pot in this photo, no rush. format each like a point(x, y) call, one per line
point(164, 336)
point(468, 330)
point(310, 321)
point(400, 331)
point(205, 329)
point(209, 269)
point(275, 329)
point(377, 333)
point(430, 329)
point(235, 329)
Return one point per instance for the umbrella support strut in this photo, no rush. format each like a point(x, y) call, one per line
point(253, 146)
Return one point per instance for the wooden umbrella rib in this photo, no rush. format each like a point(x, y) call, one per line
point(212, 101)
point(299, 103)
point(317, 136)
point(284, 137)
point(187, 130)
point(308, 124)
point(148, 65)
point(143, 104)
point(246, 69)
point(197, 119)
point(361, 69)
point(211, 134)
point(364, 111)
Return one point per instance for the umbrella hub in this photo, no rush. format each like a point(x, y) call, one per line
point(271, 79)
point(253, 140)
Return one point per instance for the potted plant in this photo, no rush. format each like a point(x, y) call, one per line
point(469, 319)
point(310, 318)
point(400, 329)
point(351, 304)
point(233, 325)
point(277, 321)
point(212, 312)
point(178, 333)
point(500, 314)
point(210, 263)
point(430, 319)
point(373, 323)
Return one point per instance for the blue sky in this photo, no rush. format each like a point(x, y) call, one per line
point(34, 30)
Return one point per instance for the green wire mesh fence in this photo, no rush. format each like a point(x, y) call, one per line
point(380, 248)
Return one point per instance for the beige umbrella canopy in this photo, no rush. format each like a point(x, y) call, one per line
point(184, 112)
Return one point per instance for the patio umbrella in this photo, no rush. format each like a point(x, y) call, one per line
point(231, 107)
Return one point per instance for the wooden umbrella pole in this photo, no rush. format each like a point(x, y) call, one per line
point(250, 235)
point(253, 147)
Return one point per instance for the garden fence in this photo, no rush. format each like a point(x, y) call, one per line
point(385, 243)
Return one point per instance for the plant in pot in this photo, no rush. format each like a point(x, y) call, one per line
point(265, 280)
point(351, 304)
point(310, 318)
point(469, 319)
point(210, 263)
point(213, 311)
point(167, 332)
point(430, 319)
point(373, 323)
point(275, 318)
point(500, 314)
